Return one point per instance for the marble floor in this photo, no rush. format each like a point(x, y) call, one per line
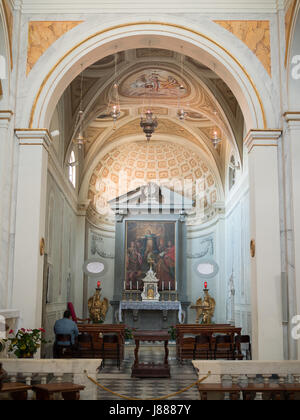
point(120, 381)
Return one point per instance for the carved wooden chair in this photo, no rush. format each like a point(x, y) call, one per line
point(202, 349)
point(111, 349)
point(224, 347)
point(85, 346)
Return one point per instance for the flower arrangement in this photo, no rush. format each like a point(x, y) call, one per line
point(173, 333)
point(129, 333)
point(25, 343)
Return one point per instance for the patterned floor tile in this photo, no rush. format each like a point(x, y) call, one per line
point(120, 381)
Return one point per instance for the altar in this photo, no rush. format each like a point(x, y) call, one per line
point(138, 308)
point(150, 260)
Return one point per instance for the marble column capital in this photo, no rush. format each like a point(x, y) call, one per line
point(262, 138)
point(293, 119)
point(36, 137)
point(5, 118)
point(83, 207)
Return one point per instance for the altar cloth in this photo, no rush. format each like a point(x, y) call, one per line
point(151, 306)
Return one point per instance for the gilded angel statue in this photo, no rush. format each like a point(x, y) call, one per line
point(98, 308)
point(205, 309)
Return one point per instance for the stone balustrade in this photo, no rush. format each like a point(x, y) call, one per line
point(43, 371)
point(246, 373)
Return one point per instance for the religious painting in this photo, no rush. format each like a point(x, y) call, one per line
point(159, 83)
point(150, 245)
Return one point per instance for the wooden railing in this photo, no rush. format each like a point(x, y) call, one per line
point(39, 371)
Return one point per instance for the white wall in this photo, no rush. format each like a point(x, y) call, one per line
point(61, 227)
point(237, 255)
point(206, 241)
point(101, 244)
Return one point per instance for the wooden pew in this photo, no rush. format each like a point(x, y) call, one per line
point(97, 331)
point(69, 391)
point(17, 391)
point(270, 392)
point(185, 345)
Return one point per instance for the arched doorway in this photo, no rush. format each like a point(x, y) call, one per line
point(255, 103)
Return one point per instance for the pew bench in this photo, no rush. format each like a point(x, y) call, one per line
point(17, 391)
point(69, 391)
point(274, 392)
point(186, 339)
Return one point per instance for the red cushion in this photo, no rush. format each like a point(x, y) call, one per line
point(72, 310)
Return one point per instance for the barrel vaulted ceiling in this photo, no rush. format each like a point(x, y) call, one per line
point(206, 99)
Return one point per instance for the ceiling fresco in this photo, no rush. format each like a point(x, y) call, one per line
point(153, 82)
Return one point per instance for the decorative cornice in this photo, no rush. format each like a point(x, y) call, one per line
point(262, 138)
point(190, 6)
point(37, 137)
point(292, 116)
point(6, 115)
point(82, 208)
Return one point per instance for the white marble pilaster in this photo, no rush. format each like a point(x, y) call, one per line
point(5, 204)
point(292, 139)
point(30, 225)
point(80, 293)
point(267, 328)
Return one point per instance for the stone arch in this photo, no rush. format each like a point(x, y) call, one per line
point(5, 60)
point(45, 92)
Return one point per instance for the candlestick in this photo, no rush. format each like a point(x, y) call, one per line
point(130, 285)
point(169, 286)
point(163, 286)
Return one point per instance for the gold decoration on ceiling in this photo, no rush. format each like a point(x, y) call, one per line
point(41, 35)
point(255, 34)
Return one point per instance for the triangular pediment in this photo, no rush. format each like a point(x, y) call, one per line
point(151, 196)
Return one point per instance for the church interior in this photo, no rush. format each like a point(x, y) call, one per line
point(149, 168)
